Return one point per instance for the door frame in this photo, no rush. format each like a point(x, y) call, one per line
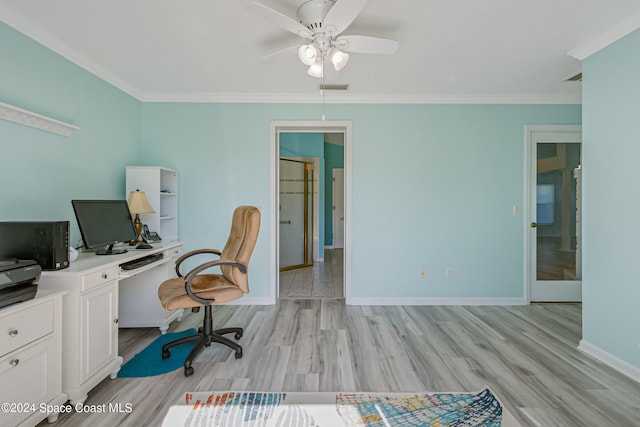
point(529, 200)
point(334, 218)
point(276, 127)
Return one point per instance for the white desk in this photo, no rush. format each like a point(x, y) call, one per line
point(30, 360)
point(102, 297)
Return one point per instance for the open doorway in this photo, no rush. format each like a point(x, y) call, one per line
point(329, 276)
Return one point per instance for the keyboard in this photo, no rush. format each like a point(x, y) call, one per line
point(137, 263)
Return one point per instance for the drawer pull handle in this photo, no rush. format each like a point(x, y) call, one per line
point(13, 332)
point(104, 275)
point(14, 362)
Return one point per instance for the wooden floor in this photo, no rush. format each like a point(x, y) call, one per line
point(322, 280)
point(526, 354)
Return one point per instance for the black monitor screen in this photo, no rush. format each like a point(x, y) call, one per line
point(103, 223)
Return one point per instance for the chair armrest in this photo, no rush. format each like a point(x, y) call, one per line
point(193, 273)
point(192, 253)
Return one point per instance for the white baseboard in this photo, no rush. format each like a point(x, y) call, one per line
point(436, 301)
point(609, 359)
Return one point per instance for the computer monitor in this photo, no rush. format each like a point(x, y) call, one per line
point(103, 223)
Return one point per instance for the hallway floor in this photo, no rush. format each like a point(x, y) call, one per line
point(322, 280)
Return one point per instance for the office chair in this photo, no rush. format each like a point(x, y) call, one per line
point(197, 289)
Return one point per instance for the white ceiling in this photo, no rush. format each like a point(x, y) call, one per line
point(450, 50)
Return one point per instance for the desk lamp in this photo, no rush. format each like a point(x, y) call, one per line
point(138, 204)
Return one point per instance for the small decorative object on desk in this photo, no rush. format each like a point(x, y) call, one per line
point(73, 254)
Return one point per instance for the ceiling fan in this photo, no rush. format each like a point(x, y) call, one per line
point(322, 22)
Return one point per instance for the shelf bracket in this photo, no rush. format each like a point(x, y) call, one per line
point(34, 120)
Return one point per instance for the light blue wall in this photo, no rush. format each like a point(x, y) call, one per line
point(41, 172)
point(433, 187)
point(611, 207)
point(306, 144)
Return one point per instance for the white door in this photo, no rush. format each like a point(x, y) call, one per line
point(554, 217)
point(338, 208)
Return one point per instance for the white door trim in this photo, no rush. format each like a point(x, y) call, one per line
point(336, 219)
point(311, 126)
point(529, 201)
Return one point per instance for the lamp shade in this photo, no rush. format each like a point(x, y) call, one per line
point(338, 58)
point(138, 203)
point(308, 53)
point(316, 69)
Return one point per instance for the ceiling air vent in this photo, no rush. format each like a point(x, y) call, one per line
point(576, 78)
point(334, 87)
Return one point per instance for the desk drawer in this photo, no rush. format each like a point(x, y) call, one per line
point(29, 377)
point(173, 252)
point(93, 280)
point(21, 327)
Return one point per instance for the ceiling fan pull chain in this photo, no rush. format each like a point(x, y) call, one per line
point(322, 90)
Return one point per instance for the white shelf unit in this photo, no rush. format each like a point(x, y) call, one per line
point(161, 187)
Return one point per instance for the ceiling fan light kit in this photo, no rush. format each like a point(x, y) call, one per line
point(338, 58)
point(316, 69)
point(308, 53)
point(321, 22)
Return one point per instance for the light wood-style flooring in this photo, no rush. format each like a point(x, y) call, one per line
point(322, 280)
point(526, 354)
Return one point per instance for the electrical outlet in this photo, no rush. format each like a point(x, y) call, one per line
point(422, 274)
point(448, 273)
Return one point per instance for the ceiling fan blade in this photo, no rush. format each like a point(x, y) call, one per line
point(366, 44)
point(342, 14)
point(289, 49)
point(279, 19)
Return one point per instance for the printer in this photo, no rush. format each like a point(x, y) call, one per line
point(18, 280)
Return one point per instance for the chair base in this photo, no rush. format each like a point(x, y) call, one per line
point(204, 338)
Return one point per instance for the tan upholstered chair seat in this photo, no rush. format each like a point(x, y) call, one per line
point(207, 289)
point(208, 286)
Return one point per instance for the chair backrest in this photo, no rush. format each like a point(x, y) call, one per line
point(239, 247)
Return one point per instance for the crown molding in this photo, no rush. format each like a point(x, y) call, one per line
point(22, 25)
point(284, 98)
point(606, 38)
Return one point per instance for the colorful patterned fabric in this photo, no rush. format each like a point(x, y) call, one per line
point(441, 409)
point(253, 409)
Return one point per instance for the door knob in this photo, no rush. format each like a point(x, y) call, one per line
point(534, 224)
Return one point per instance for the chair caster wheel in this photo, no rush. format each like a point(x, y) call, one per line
point(239, 354)
point(188, 371)
point(238, 335)
point(166, 354)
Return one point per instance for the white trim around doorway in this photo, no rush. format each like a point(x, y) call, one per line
point(311, 126)
point(533, 134)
